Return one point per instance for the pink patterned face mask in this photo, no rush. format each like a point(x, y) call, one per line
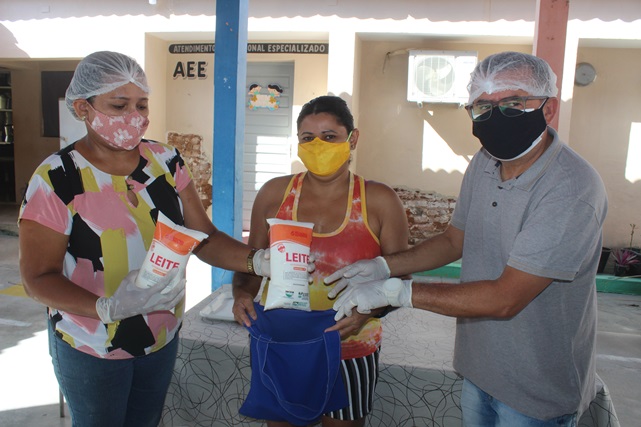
point(120, 131)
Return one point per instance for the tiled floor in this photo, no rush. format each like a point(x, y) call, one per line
point(29, 393)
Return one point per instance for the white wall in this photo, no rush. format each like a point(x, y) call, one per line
point(189, 102)
point(401, 143)
point(606, 131)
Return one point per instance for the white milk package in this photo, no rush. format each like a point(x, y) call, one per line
point(170, 248)
point(289, 243)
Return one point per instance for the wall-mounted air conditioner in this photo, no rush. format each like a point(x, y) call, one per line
point(439, 76)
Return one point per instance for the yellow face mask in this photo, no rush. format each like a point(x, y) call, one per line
point(324, 158)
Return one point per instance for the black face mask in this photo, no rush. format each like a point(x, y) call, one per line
point(506, 138)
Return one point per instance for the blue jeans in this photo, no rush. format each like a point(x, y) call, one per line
point(113, 393)
point(482, 410)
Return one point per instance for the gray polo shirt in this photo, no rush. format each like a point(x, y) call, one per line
point(547, 222)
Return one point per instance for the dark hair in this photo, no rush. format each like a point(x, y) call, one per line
point(333, 105)
point(275, 87)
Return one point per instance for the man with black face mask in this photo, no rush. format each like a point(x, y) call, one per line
point(528, 228)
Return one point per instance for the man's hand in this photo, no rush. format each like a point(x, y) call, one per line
point(367, 296)
point(362, 271)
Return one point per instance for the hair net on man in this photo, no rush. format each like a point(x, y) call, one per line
point(102, 72)
point(512, 71)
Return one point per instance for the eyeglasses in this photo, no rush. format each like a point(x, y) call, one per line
point(513, 106)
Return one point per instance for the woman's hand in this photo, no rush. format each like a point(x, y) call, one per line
point(243, 308)
point(129, 300)
point(348, 326)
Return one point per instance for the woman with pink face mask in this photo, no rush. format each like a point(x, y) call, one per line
point(353, 219)
point(86, 223)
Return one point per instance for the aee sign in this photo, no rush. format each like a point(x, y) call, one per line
point(191, 70)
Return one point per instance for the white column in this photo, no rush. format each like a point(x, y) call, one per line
point(343, 65)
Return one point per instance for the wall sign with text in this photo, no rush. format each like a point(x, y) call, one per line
point(190, 70)
point(198, 69)
point(313, 48)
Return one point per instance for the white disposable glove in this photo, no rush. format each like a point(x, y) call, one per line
point(366, 296)
point(365, 270)
point(261, 263)
point(130, 300)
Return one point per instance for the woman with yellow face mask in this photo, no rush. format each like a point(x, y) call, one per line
point(353, 219)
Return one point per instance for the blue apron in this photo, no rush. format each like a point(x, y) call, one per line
point(295, 366)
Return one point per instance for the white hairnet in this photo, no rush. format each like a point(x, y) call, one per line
point(512, 71)
point(102, 72)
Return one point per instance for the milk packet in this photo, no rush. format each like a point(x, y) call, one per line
point(171, 247)
point(289, 244)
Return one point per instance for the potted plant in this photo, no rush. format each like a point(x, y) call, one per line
point(630, 247)
point(623, 259)
point(635, 268)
